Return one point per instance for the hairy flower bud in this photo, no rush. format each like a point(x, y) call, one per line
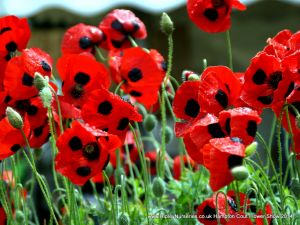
point(46, 96)
point(109, 170)
point(251, 149)
point(169, 134)
point(150, 122)
point(14, 118)
point(20, 217)
point(240, 173)
point(166, 24)
point(39, 81)
point(124, 219)
point(193, 77)
point(158, 187)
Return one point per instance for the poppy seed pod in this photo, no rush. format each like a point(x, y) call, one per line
point(20, 217)
point(109, 170)
point(14, 118)
point(240, 173)
point(46, 96)
point(158, 187)
point(169, 134)
point(251, 149)
point(166, 24)
point(150, 122)
point(193, 77)
point(39, 81)
point(124, 219)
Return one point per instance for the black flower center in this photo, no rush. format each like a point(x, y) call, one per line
point(91, 151)
point(192, 108)
point(211, 14)
point(77, 91)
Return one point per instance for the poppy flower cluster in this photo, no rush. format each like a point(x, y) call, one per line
point(212, 15)
point(216, 125)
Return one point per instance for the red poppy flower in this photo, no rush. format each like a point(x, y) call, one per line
point(240, 122)
point(219, 156)
point(239, 219)
point(265, 82)
point(3, 218)
point(81, 38)
point(219, 89)
point(20, 70)
point(118, 25)
point(81, 74)
point(151, 156)
point(14, 35)
point(207, 211)
point(83, 152)
point(141, 72)
point(3, 64)
point(109, 112)
point(39, 135)
point(262, 214)
point(177, 165)
point(212, 15)
point(11, 139)
point(242, 198)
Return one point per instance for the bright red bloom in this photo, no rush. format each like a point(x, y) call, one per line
point(81, 38)
point(219, 88)
point(267, 214)
point(212, 15)
point(83, 152)
point(265, 82)
point(11, 139)
point(109, 112)
point(242, 197)
point(80, 75)
point(207, 211)
point(20, 70)
point(39, 135)
point(3, 218)
point(141, 72)
point(177, 165)
point(118, 25)
point(241, 219)
point(220, 156)
point(14, 35)
point(240, 122)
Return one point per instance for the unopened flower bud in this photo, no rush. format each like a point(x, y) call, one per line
point(186, 74)
point(46, 96)
point(166, 24)
point(169, 134)
point(158, 187)
point(173, 221)
point(14, 118)
point(251, 149)
point(295, 188)
point(109, 170)
point(124, 219)
point(193, 77)
point(119, 172)
point(20, 217)
point(150, 122)
point(40, 81)
point(240, 173)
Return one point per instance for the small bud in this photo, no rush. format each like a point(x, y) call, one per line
point(118, 174)
point(158, 187)
point(193, 77)
point(251, 149)
point(295, 188)
point(166, 24)
point(109, 170)
point(186, 74)
point(240, 173)
point(14, 118)
point(124, 219)
point(150, 122)
point(173, 221)
point(39, 81)
point(20, 217)
point(169, 134)
point(298, 121)
point(46, 96)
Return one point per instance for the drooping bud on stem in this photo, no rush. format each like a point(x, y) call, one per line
point(46, 96)
point(150, 122)
point(14, 118)
point(158, 187)
point(39, 81)
point(251, 149)
point(166, 24)
point(240, 173)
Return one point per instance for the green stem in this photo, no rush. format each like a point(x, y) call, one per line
point(229, 48)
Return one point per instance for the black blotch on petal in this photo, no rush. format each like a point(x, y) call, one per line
point(27, 80)
point(85, 42)
point(15, 147)
point(11, 46)
point(7, 99)
point(123, 123)
point(135, 75)
point(259, 77)
point(232, 205)
point(227, 126)
point(22, 104)
point(266, 100)
point(234, 160)
point(83, 171)
point(135, 28)
point(116, 25)
point(106, 162)
point(290, 89)
point(91, 151)
point(105, 108)
point(209, 213)
point(77, 91)
point(130, 147)
point(211, 14)
point(164, 65)
point(81, 78)
point(75, 143)
point(117, 44)
point(8, 57)
point(32, 110)
point(215, 130)
point(4, 29)
point(192, 108)
point(251, 128)
point(38, 131)
point(274, 79)
point(222, 98)
point(46, 67)
point(135, 94)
